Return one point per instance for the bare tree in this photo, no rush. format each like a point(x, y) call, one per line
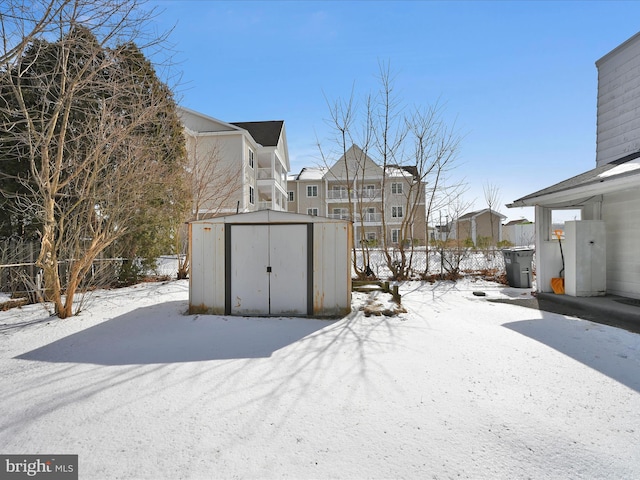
point(212, 182)
point(430, 160)
point(342, 117)
point(80, 112)
point(452, 249)
point(22, 21)
point(413, 148)
point(492, 199)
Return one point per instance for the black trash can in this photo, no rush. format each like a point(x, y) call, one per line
point(517, 262)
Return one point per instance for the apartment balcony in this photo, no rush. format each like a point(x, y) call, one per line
point(339, 216)
point(366, 218)
point(271, 199)
point(267, 175)
point(268, 205)
point(367, 195)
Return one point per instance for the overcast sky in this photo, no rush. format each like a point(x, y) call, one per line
point(518, 79)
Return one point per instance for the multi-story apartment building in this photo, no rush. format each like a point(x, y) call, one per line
point(237, 167)
point(385, 206)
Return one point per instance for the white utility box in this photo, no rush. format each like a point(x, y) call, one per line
point(585, 258)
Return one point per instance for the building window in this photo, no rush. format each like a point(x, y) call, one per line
point(312, 190)
point(291, 197)
point(251, 196)
point(312, 211)
point(340, 213)
point(395, 235)
point(251, 158)
point(371, 236)
point(370, 214)
point(396, 212)
point(396, 188)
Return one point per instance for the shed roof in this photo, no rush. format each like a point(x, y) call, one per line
point(270, 216)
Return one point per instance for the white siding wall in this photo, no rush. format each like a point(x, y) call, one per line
point(520, 235)
point(621, 212)
point(618, 129)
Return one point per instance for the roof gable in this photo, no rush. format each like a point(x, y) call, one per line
point(201, 123)
point(356, 163)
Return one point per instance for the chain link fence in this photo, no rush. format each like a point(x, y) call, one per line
point(21, 278)
point(437, 262)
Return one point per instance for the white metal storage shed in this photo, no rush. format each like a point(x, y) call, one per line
point(270, 263)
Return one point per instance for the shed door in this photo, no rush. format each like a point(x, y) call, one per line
point(268, 270)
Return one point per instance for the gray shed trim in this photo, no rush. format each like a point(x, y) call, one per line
point(227, 265)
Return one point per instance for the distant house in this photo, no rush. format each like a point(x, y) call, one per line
point(607, 195)
point(481, 226)
point(238, 167)
point(520, 233)
point(307, 192)
point(358, 189)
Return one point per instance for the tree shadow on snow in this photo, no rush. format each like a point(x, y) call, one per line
point(162, 334)
point(573, 338)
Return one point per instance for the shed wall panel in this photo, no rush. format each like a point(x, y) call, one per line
point(206, 277)
point(288, 261)
point(332, 280)
point(249, 262)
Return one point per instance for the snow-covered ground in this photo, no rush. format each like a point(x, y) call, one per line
point(457, 387)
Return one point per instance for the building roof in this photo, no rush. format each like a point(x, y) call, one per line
point(619, 48)
point(470, 215)
point(603, 179)
point(522, 221)
point(309, 173)
point(402, 170)
point(266, 133)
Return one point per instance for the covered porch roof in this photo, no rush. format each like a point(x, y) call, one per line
point(620, 175)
